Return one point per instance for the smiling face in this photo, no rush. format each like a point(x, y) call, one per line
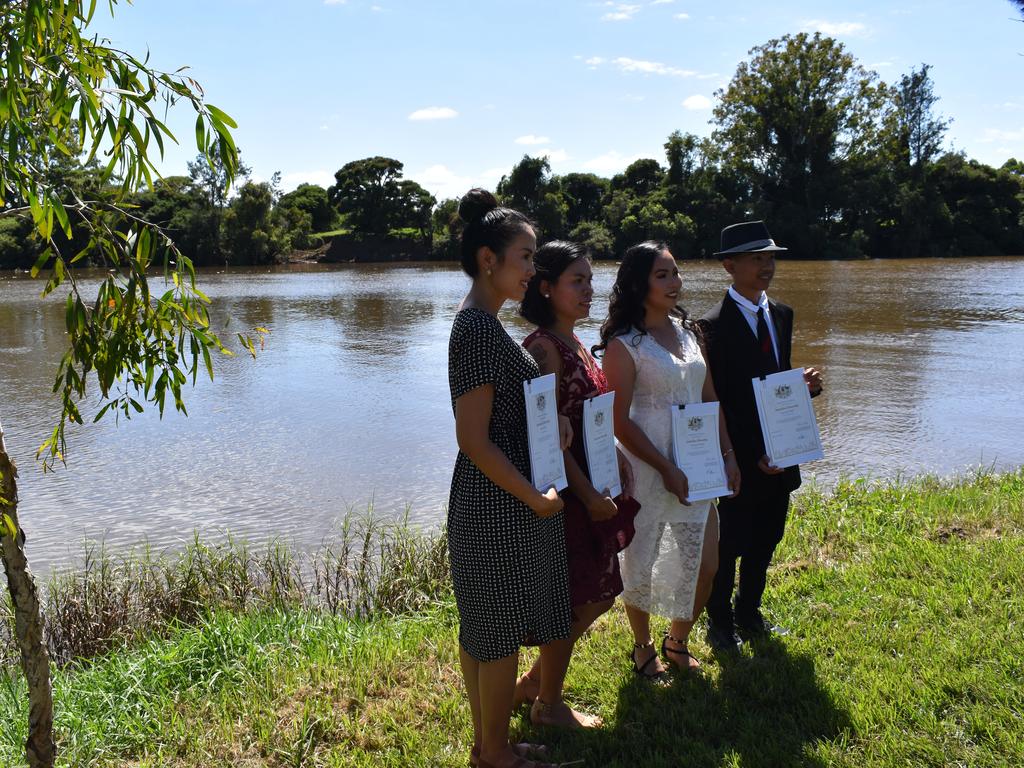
point(751, 273)
point(663, 283)
point(572, 292)
point(512, 270)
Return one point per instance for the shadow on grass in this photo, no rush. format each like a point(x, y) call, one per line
point(765, 710)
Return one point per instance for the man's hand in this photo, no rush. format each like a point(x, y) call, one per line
point(814, 381)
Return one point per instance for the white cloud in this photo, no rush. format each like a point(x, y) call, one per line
point(556, 155)
point(662, 2)
point(443, 182)
point(610, 162)
point(434, 113)
point(681, 16)
point(997, 134)
point(622, 12)
point(697, 102)
point(594, 62)
point(851, 28)
point(627, 64)
point(335, 2)
point(290, 181)
point(531, 140)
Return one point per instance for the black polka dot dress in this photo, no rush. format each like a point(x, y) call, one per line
point(508, 566)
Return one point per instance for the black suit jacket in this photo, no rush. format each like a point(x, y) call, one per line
point(734, 360)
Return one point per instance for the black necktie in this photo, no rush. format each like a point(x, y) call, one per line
point(764, 342)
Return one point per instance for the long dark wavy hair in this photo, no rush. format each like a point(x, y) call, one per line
point(626, 306)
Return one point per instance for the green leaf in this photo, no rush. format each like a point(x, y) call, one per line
point(221, 117)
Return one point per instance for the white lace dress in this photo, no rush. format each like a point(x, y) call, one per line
point(661, 564)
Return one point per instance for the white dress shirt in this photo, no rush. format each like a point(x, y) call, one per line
point(749, 311)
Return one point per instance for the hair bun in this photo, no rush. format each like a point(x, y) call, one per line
point(475, 204)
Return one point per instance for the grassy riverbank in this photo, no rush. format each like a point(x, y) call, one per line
point(906, 603)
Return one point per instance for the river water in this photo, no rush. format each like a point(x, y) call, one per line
point(347, 406)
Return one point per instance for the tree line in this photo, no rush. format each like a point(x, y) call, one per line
point(840, 163)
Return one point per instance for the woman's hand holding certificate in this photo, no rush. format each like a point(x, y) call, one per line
point(547, 464)
point(599, 444)
point(788, 423)
point(697, 451)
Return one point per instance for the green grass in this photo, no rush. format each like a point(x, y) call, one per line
point(906, 603)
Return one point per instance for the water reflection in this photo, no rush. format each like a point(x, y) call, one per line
point(348, 403)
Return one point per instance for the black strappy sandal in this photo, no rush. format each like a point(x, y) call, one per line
point(682, 650)
point(641, 669)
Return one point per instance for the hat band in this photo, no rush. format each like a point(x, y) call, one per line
point(753, 245)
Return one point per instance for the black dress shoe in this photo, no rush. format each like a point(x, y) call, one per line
point(751, 627)
point(723, 637)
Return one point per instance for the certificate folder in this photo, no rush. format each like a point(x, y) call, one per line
point(547, 464)
point(697, 450)
point(788, 424)
point(599, 444)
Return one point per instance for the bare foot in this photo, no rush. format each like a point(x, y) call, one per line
point(527, 689)
point(561, 715)
point(523, 749)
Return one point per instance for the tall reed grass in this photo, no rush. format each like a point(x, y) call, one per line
point(371, 568)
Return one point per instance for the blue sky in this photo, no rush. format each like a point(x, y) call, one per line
point(459, 91)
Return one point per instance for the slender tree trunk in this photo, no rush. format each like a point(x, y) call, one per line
point(28, 622)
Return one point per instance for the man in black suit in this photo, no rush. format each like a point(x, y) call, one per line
point(748, 335)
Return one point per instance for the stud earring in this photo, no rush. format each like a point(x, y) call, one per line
point(547, 295)
point(488, 273)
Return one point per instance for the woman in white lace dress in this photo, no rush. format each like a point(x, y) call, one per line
point(653, 359)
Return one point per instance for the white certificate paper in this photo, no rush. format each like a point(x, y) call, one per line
point(697, 450)
point(788, 423)
point(599, 444)
point(547, 465)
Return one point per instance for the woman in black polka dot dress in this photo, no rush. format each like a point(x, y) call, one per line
point(506, 538)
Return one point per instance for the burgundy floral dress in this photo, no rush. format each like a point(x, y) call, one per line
point(592, 546)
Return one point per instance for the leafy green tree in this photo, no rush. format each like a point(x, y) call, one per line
point(583, 194)
point(680, 151)
point(530, 188)
point(641, 177)
point(526, 184)
point(789, 120)
point(649, 219)
point(920, 130)
point(367, 191)
point(312, 199)
point(414, 208)
point(251, 236)
point(61, 90)
point(596, 238)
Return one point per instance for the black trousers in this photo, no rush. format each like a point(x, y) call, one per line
point(751, 526)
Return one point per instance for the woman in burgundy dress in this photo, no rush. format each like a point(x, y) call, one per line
point(597, 527)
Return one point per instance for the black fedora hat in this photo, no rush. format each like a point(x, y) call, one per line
point(747, 237)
